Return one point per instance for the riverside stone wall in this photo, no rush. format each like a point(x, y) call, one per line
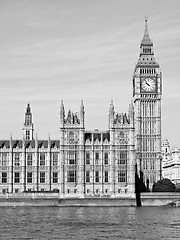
point(159, 198)
point(53, 199)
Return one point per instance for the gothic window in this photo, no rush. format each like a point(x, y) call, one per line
point(87, 176)
point(121, 136)
point(71, 176)
point(27, 135)
point(96, 158)
point(106, 157)
point(71, 137)
point(55, 159)
point(106, 176)
point(97, 176)
point(16, 177)
point(55, 177)
point(122, 176)
point(29, 177)
point(4, 157)
point(122, 158)
point(152, 164)
point(72, 157)
point(17, 159)
point(4, 177)
point(42, 159)
point(87, 158)
point(42, 177)
point(29, 159)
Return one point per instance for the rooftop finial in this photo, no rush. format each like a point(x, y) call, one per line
point(146, 39)
point(146, 18)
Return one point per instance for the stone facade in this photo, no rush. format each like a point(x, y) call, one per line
point(92, 163)
point(171, 162)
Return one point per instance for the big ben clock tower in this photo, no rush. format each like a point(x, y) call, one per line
point(147, 91)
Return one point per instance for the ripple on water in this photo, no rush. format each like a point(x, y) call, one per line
point(89, 223)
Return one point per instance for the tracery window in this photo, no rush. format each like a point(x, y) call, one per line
point(55, 159)
point(29, 159)
point(97, 176)
point(106, 176)
point(122, 157)
point(122, 176)
point(42, 159)
point(71, 137)
point(29, 177)
point(87, 176)
point(17, 159)
point(71, 176)
point(4, 157)
point(4, 177)
point(16, 177)
point(106, 158)
point(55, 177)
point(42, 177)
point(87, 158)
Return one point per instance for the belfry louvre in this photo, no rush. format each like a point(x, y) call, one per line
point(92, 163)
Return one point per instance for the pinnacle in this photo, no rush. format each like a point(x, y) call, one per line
point(146, 38)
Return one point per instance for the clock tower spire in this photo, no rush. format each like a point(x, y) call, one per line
point(147, 91)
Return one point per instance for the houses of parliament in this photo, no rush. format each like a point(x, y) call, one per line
point(84, 163)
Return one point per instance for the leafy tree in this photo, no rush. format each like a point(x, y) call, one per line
point(164, 185)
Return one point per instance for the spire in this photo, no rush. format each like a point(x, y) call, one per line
point(146, 63)
point(146, 38)
point(82, 112)
point(82, 106)
point(62, 107)
point(62, 112)
point(28, 127)
point(28, 116)
point(28, 109)
point(111, 108)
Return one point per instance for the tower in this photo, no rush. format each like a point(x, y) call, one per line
point(122, 149)
point(28, 127)
point(147, 92)
point(72, 151)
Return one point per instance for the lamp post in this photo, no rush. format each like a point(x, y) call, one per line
point(160, 159)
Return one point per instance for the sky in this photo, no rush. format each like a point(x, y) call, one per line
point(73, 50)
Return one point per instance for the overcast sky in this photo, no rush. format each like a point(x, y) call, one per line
point(80, 49)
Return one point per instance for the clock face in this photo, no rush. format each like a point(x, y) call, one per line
point(148, 85)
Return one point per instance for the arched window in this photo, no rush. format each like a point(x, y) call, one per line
point(121, 135)
point(71, 137)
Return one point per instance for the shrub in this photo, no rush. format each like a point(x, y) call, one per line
point(164, 185)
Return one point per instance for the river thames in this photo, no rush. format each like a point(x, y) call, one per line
point(89, 223)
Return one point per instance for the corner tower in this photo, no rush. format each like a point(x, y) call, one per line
point(72, 151)
point(147, 92)
point(28, 127)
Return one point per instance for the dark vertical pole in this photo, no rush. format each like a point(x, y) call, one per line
point(24, 168)
point(37, 171)
point(50, 168)
point(137, 188)
point(12, 171)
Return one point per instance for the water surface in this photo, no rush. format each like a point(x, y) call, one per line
point(89, 223)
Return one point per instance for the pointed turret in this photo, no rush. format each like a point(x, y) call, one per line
point(146, 38)
point(82, 113)
point(62, 113)
point(111, 114)
point(131, 112)
point(111, 108)
point(28, 127)
point(146, 63)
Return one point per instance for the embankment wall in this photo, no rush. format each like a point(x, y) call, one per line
point(53, 199)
